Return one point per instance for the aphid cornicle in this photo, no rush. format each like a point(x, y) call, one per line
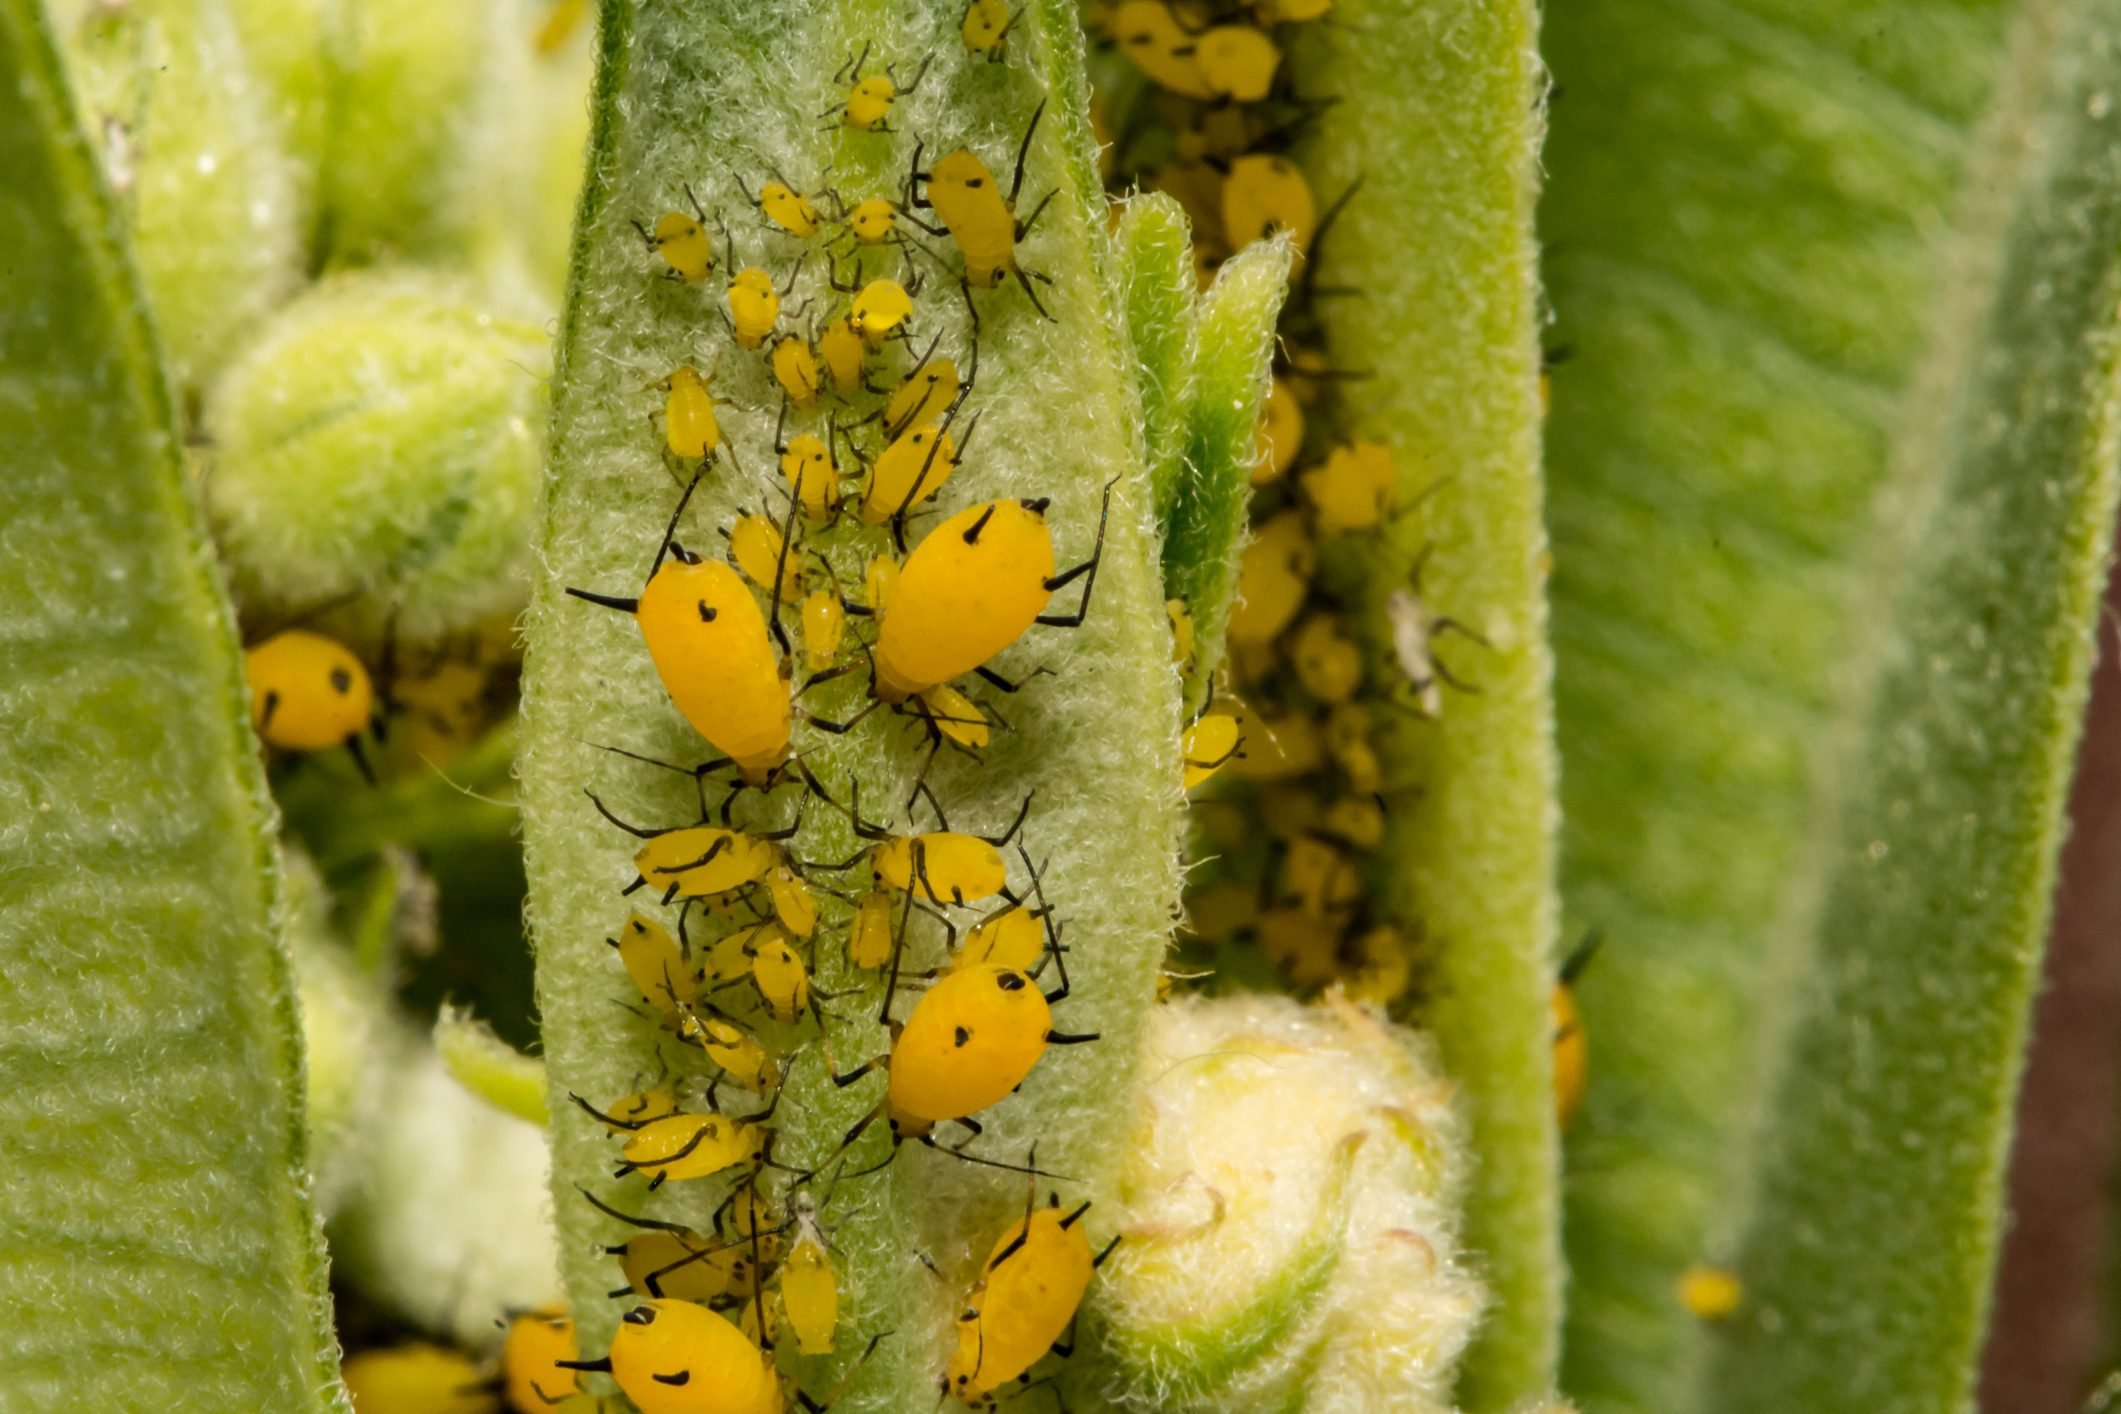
point(969, 590)
point(1027, 1296)
point(974, 213)
point(309, 693)
point(867, 108)
point(532, 1370)
point(682, 242)
point(712, 649)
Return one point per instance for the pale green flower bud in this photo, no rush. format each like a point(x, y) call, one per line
point(1289, 1216)
point(195, 159)
point(381, 441)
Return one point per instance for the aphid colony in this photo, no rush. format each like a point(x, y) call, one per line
point(1208, 114)
point(843, 564)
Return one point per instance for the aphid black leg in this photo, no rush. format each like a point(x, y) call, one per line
point(1087, 570)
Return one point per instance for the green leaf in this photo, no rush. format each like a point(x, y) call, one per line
point(1159, 291)
point(159, 1246)
point(489, 1067)
point(1233, 350)
point(1915, 294)
point(712, 93)
point(1438, 116)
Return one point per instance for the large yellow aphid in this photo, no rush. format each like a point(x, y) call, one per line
point(1264, 193)
point(909, 471)
point(969, 590)
point(754, 307)
point(1028, 1292)
point(985, 27)
point(532, 1356)
point(879, 309)
point(810, 1286)
point(682, 242)
point(1209, 744)
point(969, 1042)
point(868, 104)
point(690, 429)
point(657, 965)
point(969, 203)
point(795, 368)
point(309, 693)
point(1354, 489)
point(678, 1357)
point(711, 647)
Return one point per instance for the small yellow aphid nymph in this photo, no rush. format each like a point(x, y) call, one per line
point(967, 200)
point(533, 1369)
point(309, 693)
point(867, 108)
point(683, 243)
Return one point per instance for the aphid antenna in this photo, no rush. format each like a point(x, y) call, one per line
point(635, 830)
point(1315, 255)
point(612, 1120)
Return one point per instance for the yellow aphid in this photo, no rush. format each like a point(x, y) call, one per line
point(789, 209)
point(710, 646)
point(1208, 745)
point(806, 464)
point(416, 1378)
point(1571, 1053)
point(679, 1264)
point(1149, 34)
point(924, 395)
point(1277, 746)
point(754, 307)
point(678, 1357)
point(308, 692)
point(763, 554)
point(446, 703)
point(1028, 1292)
point(1181, 633)
point(536, 1341)
point(1354, 489)
point(1347, 741)
point(630, 1112)
point(1303, 945)
point(1384, 967)
point(682, 242)
point(1216, 914)
point(1290, 11)
point(657, 966)
point(1281, 432)
point(985, 27)
point(873, 221)
point(687, 1146)
point(793, 904)
point(869, 100)
point(690, 429)
point(972, 1038)
point(969, 590)
point(880, 581)
point(1237, 62)
point(824, 626)
point(810, 1289)
point(869, 936)
point(782, 979)
point(1263, 194)
point(1014, 937)
point(730, 1047)
point(1320, 877)
point(843, 351)
point(979, 218)
point(1710, 1293)
point(942, 866)
point(956, 716)
point(909, 471)
point(730, 958)
point(1359, 820)
point(702, 860)
point(795, 369)
point(1272, 579)
point(879, 307)
point(1219, 133)
point(559, 25)
point(1327, 662)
